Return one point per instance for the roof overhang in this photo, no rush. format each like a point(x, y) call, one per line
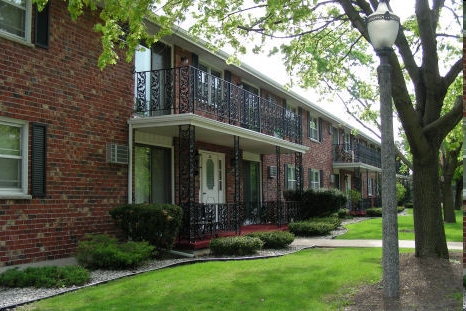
point(215, 132)
point(351, 166)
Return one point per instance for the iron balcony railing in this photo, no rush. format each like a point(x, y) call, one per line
point(356, 153)
point(191, 90)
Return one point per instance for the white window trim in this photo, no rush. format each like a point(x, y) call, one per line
point(313, 131)
point(369, 186)
point(27, 28)
point(315, 184)
point(22, 193)
point(291, 182)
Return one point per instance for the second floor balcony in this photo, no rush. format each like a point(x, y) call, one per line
point(188, 89)
point(356, 153)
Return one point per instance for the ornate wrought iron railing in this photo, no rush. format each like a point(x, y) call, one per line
point(207, 220)
point(356, 153)
point(191, 90)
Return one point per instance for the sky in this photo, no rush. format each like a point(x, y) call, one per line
point(262, 63)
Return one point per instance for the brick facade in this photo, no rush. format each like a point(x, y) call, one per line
point(84, 109)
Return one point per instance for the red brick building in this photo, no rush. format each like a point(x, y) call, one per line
point(221, 141)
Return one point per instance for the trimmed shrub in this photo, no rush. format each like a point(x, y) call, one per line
point(156, 223)
point(308, 228)
point(409, 205)
point(274, 239)
point(335, 222)
point(321, 203)
point(236, 245)
point(343, 213)
point(48, 277)
point(377, 211)
point(104, 252)
point(374, 212)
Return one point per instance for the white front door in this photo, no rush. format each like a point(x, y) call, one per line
point(212, 177)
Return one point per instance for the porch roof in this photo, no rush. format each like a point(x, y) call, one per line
point(351, 166)
point(215, 132)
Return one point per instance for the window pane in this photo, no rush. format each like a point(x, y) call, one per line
point(11, 173)
point(142, 174)
point(210, 174)
point(10, 140)
point(13, 17)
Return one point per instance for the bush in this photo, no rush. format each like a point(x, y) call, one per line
point(308, 228)
point(374, 212)
point(321, 203)
point(343, 213)
point(377, 211)
point(400, 193)
point(335, 222)
point(409, 205)
point(156, 223)
point(49, 276)
point(274, 239)
point(104, 252)
point(237, 245)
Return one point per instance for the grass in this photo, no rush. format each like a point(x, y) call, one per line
point(306, 280)
point(372, 229)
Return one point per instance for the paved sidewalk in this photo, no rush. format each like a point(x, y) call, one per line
point(360, 243)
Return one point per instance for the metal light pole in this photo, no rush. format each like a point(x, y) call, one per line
point(383, 27)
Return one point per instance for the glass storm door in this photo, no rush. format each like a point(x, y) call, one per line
point(251, 192)
point(152, 175)
point(212, 178)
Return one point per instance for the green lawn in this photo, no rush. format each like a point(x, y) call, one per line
point(315, 279)
point(372, 229)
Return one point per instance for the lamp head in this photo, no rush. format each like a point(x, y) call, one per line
point(383, 26)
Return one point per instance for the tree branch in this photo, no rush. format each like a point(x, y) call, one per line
point(440, 128)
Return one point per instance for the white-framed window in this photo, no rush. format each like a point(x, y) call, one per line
point(290, 177)
point(209, 85)
point(313, 128)
point(13, 157)
point(347, 141)
point(314, 179)
point(15, 19)
point(370, 186)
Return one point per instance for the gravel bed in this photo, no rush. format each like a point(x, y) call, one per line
point(10, 298)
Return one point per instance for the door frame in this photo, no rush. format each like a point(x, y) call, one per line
point(221, 182)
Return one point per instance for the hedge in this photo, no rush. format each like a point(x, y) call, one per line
point(156, 223)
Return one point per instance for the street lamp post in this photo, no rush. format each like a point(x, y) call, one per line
point(383, 26)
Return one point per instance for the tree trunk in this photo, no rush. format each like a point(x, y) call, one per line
point(448, 204)
point(428, 221)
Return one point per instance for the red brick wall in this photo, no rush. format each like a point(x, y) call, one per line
point(84, 108)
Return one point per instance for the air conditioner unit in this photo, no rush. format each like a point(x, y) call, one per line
point(117, 154)
point(272, 170)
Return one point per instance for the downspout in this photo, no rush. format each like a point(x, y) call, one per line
point(130, 164)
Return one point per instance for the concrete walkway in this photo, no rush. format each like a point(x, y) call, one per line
point(360, 243)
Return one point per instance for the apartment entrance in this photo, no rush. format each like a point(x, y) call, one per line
point(251, 192)
point(212, 178)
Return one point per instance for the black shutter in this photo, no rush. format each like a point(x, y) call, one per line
point(38, 159)
point(41, 33)
point(195, 60)
point(320, 129)
point(286, 177)
point(227, 75)
point(308, 124)
point(321, 178)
